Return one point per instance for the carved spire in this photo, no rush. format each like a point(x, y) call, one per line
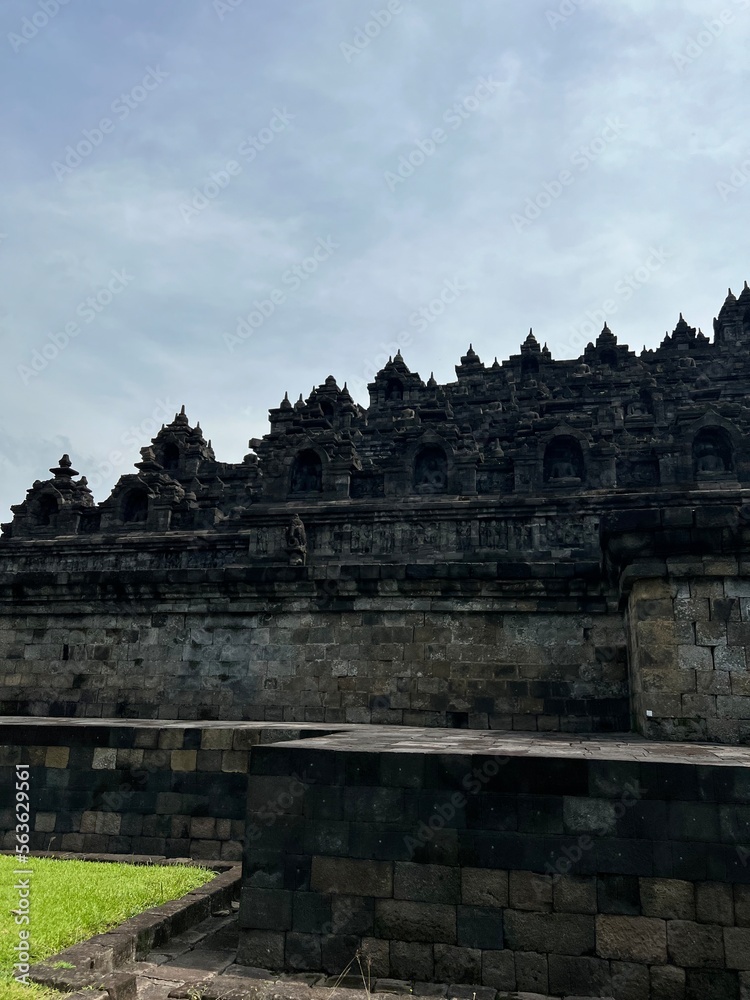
point(64, 470)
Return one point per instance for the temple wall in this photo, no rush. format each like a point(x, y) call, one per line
point(399, 660)
point(544, 873)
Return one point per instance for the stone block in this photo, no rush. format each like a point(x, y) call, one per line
point(694, 658)
point(216, 739)
point(737, 947)
point(532, 974)
point(742, 902)
point(265, 909)
point(411, 960)
point(667, 982)
point(498, 970)
point(262, 949)
point(693, 945)
point(479, 927)
point(564, 934)
point(302, 952)
point(530, 891)
point(714, 985)
point(730, 658)
point(105, 759)
point(426, 883)
point(44, 822)
point(457, 965)
point(587, 815)
point(484, 887)
point(630, 981)
point(345, 875)
point(403, 920)
point(578, 976)
point(574, 893)
point(667, 898)
point(712, 633)
point(57, 757)
point(172, 738)
point(631, 939)
point(183, 760)
point(714, 903)
point(234, 761)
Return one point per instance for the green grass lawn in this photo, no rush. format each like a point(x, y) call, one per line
point(73, 900)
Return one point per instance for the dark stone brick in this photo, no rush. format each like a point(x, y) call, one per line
point(337, 951)
point(694, 821)
point(352, 915)
point(618, 894)
point(713, 985)
point(569, 976)
point(410, 960)
point(457, 965)
point(480, 927)
point(403, 920)
point(311, 912)
point(302, 952)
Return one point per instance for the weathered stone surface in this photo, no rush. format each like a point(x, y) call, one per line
point(483, 887)
point(407, 921)
point(667, 898)
point(693, 945)
point(631, 939)
point(565, 934)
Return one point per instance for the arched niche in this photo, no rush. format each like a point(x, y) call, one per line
point(170, 457)
point(394, 391)
point(46, 511)
point(135, 506)
point(712, 451)
point(430, 470)
point(307, 473)
point(563, 459)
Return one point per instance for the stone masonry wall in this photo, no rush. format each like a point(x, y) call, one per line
point(466, 663)
point(690, 654)
point(567, 876)
point(114, 789)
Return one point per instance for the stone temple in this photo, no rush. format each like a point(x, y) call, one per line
point(461, 677)
point(538, 545)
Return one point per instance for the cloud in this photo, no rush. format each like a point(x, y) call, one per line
point(349, 121)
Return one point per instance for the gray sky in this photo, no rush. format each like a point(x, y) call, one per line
point(419, 173)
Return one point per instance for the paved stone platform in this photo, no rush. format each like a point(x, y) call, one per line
point(404, 739)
